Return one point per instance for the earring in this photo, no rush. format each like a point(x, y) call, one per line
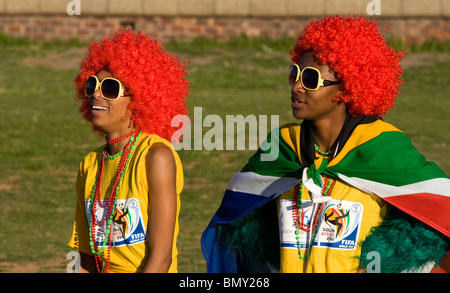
point(131, 122)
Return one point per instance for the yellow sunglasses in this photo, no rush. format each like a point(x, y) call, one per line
point(310, 77)
point(110, 88)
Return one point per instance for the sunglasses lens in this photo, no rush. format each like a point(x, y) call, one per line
point(90, 86)
point(110, 89)
point(310, 78)
point(293, 74)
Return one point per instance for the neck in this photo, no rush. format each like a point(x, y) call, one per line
point(327, 131)
point(118, 146)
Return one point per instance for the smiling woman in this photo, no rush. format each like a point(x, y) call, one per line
point(153, 76)
point(109, 105)
point(128, 191)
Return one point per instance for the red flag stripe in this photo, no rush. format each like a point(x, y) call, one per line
point(432, 209)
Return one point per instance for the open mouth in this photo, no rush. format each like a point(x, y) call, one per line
point(98, 108)
point(296, 102)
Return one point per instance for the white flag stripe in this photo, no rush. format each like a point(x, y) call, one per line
point(264, 185)
point(438, 186)
point(253, 183)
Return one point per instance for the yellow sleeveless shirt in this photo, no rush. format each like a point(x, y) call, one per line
point(129, 248)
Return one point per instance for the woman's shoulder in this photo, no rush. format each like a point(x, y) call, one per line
point(94, 154)
point(153, 144)
point(154, 141)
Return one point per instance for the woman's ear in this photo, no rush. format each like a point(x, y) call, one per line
point(339, 94)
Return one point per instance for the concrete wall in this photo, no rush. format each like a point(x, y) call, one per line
point(409, 20)
point(229, 7)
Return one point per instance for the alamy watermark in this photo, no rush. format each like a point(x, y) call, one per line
point(374, 7)
point(74, 7)
point(374, 265)
point(74, 265)
point(226, 135)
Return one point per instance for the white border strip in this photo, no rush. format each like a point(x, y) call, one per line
point(438, 186)
point(266, 186)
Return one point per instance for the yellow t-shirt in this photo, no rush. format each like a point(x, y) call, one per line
point(341, 224)
point(129, 248)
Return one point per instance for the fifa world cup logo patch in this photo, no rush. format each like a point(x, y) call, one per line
point(128, 225)
point(338, 225)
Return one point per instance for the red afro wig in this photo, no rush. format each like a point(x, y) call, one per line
point(154, 77)
point(355, 49)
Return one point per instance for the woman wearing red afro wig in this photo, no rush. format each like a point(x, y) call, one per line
point(345, 191)
point(128, 190)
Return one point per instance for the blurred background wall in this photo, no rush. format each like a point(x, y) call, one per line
point(411, 21)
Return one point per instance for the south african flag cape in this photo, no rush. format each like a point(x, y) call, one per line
point(372, 155)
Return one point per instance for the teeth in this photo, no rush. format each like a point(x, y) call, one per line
point(99, 108)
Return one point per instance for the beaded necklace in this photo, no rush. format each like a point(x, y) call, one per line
point(298, 219)
point(316, 147)
point(120, 138)
point(110, 204)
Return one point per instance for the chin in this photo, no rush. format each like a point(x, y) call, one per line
point(97, 125)
point(298, 115)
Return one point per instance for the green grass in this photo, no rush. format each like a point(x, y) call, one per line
point(43, 137)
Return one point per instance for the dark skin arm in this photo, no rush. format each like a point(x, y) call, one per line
point(87, 263)
point(161, 174)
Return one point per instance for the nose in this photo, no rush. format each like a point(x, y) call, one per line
point(297, 87)
point(97, 94)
